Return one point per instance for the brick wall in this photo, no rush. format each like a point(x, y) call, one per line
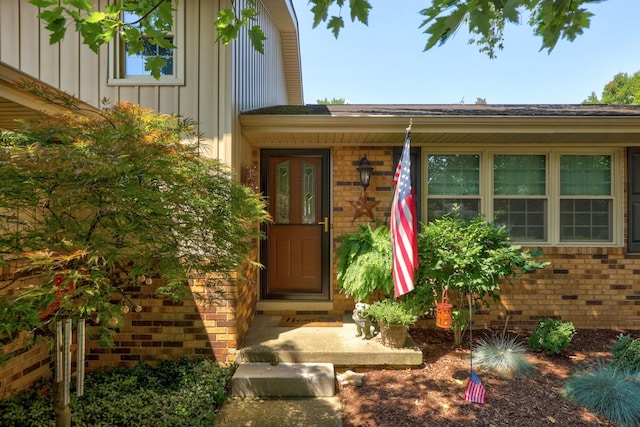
point(29, 360)
point(347, 189)
point(164, 329)
point(24, 368)
point(591, 287)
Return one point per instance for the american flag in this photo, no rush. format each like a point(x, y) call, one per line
point(404, 225)
point(475, 391)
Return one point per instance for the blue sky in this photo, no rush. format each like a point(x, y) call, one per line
point(383, 63)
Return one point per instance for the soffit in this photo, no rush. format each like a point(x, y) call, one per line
point(442, 125)
point(11, 113)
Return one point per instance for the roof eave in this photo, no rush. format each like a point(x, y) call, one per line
point(263, 130)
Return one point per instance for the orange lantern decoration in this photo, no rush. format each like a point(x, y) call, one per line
point(443, 312)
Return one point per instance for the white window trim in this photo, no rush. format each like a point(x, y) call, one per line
point(178, 61)
point(552, 193)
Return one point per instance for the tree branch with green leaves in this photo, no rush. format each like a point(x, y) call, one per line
point(485, 20)
point(151, 24)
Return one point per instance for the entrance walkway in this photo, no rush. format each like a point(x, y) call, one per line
point(269, 342)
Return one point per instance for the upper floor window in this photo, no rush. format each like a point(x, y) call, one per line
point(130, 67)
point(547, 197)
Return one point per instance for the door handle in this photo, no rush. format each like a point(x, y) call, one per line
point(325, 223)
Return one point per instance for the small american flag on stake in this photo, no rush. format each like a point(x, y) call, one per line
point(404, 225)
point(475, 391)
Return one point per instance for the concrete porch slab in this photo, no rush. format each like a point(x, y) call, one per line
point(266, 341)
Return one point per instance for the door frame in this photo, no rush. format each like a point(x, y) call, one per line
point(325, 154)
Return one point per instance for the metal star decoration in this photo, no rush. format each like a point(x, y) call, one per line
point(364, 207)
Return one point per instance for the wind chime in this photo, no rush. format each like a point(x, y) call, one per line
point(64, 331)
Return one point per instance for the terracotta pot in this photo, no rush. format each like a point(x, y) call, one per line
point(393, 336)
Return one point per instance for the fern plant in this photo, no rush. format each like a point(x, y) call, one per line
point(364, 263)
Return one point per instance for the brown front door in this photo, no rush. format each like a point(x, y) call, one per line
point(295, 252)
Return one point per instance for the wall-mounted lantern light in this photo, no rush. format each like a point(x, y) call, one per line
point(364, 206)
point(365, 169)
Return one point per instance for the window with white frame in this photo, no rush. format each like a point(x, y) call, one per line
point(453, 180)
point(520, 195)
point(586, 202)
point(549, 197)
point(128, 67)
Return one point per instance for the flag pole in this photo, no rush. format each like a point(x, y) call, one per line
point(402, 225)
point(393, 193)
point(470, 327)
point(475, 391)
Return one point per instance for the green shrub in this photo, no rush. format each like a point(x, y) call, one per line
point(626, 353)
point(608, 391)
point(175, 393)
point(467, 255)
point(503, 355)
point(32, 407)
point(552, 336)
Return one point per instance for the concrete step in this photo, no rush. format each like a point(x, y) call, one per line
point(283, 379)
point(280, 412)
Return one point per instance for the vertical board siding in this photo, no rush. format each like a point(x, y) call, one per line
point(49, 58)
point(70, 65)
point(29, 40)
point(90, 77)
point(187, 101)
point(206, 76)
point(219, 81)
point(9, 28)
point(258, 79)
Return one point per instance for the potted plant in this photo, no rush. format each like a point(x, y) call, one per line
point(394, 319)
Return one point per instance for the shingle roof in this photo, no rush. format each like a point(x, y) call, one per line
point(434, 110)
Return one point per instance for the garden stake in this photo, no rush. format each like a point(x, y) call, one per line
point(475, 391)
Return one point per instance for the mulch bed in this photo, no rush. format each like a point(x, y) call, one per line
point(433, 394)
